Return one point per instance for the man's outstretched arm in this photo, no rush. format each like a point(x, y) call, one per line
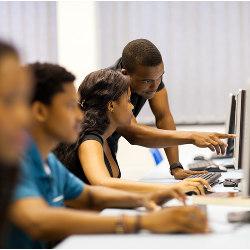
point(165, 136)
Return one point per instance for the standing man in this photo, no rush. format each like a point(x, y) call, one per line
point(141, 61)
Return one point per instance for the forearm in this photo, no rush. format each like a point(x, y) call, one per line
point(101, 197)
point(157, 138)
point(131, 186)
point(57, 223)
point(172, 153)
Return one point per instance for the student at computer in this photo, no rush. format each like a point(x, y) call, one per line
point(14, 116)
point(141, 61)
point(37, 212)
point(105, 101)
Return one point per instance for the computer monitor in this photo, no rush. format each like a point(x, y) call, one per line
point(246, 146)
point(230, 124)
point(229, 129)
point(239, 127)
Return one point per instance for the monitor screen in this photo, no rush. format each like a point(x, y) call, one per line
point(246, 146)
point(230, 123)
point(239, 127)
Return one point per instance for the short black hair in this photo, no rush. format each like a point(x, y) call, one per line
point(7, 49)
point(140, 52)
point(48, 81)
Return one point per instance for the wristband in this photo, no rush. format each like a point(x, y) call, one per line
point(137, 223)
point(175, 165)
point(120, 227)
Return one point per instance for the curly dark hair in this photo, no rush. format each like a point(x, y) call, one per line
point(140, 52)
point(49, 80)
point(96, 90)
point(8, 173)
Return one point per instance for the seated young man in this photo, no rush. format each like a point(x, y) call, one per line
point(38, 211)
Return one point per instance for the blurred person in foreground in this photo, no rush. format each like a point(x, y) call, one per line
point(14, 117)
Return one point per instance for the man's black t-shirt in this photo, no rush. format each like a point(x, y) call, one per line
point(137, 100)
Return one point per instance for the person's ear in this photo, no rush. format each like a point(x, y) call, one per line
point(39, 111)
point(111, 106)
point(124, 72)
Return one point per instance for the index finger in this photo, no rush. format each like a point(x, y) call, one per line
point(224, 136)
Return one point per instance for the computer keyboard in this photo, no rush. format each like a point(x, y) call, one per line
point(211, 178)
point(206, 165)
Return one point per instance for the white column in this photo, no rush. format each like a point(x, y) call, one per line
point(76, 30)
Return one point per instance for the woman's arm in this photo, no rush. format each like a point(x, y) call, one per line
point(92, 160)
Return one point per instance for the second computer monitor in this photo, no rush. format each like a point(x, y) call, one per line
point(239, 127)
point(230, 123)
point(246, 146)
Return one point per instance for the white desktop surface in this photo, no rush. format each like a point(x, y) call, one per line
point(153, 241)
point(224, 234)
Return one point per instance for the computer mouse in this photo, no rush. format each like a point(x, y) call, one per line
point(231, 182)
point(199, 158)
point(216, 168)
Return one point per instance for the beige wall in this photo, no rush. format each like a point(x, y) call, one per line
point(77, 37)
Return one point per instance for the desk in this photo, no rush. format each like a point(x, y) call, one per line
point(224, 234)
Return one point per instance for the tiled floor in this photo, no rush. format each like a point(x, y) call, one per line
point(136, 161)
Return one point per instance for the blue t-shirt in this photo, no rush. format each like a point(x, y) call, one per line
point(55, 188)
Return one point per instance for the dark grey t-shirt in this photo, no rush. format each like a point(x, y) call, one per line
point(137, 100)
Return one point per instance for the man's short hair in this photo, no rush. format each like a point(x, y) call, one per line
point(140, 52)
point(48, 81)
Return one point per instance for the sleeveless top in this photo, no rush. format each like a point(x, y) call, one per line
point(77, 167)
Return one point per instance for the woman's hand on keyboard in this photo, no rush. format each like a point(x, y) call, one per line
point(194, 184)
point(180, 174)
point(211, 140)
